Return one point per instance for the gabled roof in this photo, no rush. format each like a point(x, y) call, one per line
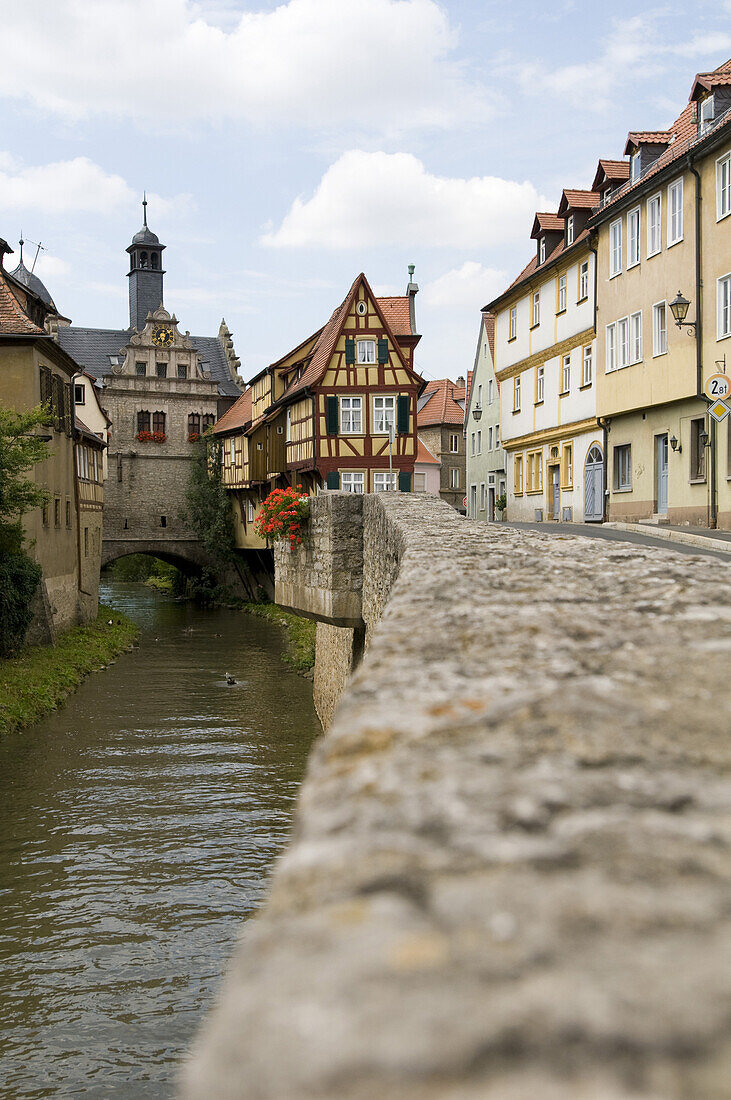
point(438, 404)
point(423, 454)
point(647, 137)
point(705, 82)
point(611, 171)
point(546, 223)
point(489, 320)
point(238, 416)
point(578, 200)
point(13, 318)
point(396, 312)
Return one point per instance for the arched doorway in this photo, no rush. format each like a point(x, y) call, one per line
point(594, 485)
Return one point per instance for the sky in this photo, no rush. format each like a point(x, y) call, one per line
point(285, 147)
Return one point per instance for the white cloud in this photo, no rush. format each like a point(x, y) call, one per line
point(387, 64)
point(467, 287)
point(49, 269)
point(375, 199)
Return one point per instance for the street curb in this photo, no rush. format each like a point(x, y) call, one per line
point(706, 542)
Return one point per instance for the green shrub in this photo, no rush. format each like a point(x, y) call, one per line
point(19, 577)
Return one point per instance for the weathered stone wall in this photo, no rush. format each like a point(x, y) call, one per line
point(509, 875)
point(333, 665)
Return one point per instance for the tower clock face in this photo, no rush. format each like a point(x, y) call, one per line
point(162, 337)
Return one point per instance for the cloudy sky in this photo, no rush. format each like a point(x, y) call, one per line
point(287, 146)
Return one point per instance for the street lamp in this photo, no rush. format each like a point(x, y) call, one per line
point(675, 445)
point(477, 412)
point(679, 310)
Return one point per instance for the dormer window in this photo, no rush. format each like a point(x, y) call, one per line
point(570, 229)
point(634, 166)
point(707, 114)
point(542, 250)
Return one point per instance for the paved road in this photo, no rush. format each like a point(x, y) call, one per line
point(588, 530)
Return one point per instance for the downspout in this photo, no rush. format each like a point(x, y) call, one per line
point(603, 422)
point(713, 511)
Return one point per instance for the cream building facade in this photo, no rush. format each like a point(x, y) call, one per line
point(667, 228)
point(486, 477)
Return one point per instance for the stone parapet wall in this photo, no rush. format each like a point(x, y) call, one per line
point(509, 874)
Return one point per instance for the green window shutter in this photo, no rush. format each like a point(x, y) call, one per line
point(333, 480)
point(383, 351)
point(331, 415)
point(349, 349)
point(402, 415)
point(404, 482)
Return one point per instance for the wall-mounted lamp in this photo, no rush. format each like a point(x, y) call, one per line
point(679, 310)
point(477, 412)
point(703, 438)
point(676, 445)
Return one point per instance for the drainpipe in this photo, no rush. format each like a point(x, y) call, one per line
point(713, 516)
point(604, 423)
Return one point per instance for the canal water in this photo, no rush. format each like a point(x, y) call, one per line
point(138, 825)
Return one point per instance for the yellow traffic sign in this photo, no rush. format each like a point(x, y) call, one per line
point(719, 410)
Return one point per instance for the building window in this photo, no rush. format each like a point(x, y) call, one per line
point(611, 348)
point(57, 512)
point(706, 114)
point(623, 342)
point(163, 521)
point(352, 481)
point(697, 450)
point(143, 422)
point(567, 466)
point(68, 513)
point(454, 444)
point(587, 367)
point(723, 186)
point(419, 483)
point(208, 421)
point(489, 438)
point(79, 394)
point(366, 351)
point(513, 323)
point(623, 467)
point(194, 424)
point(584, 281)
point(381, 481)
point(232, 451)
point(479, 443)
point(615, 248)
point(562, 293)
point(454, 477)
point(633, 237)
point(472, 443)
point(659, 329)
point(535, 471)
point(384, 414)
point(536, 308)
point(140, 369)
point(483, 496)
point(351, 415)
point(497, 435)
point(516, 393)
point(654, 230)
point(634, 166)
point(675, 212)
point(479, 397)
point(542, 250)
point(540, 381)
point(250, 510)
point(44, 515)
point(182, 370)
point(158, 422)
point(566, 374)
point(161, 370)
point(518, 475)
point(635, 338)
point(724, 307)
point(570, 229)
point(489, 392)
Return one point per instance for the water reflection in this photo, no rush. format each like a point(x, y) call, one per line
point(138, 825)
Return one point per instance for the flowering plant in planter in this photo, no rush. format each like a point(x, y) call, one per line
point(151, 437)
point(194, 437)
point(282, 515)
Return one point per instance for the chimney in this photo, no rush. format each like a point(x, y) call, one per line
point(460, 383)
point(411, 291)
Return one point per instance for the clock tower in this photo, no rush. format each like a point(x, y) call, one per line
point(145, 274)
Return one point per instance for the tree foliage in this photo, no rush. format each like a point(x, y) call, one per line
point(208, 506)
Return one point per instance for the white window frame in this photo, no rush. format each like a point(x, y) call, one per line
point(232, 450)
point(489, 437)
point(615, 248)
point(542, 250)
point(626, 453)
point(472, 444)
point(497, 436)
point(622, 342)
point(587, 365)
point(562, 285)
point(704, 118)
point(723, 307)
point(634, 166)
point(566, 373)
point(483, 496)
point(633, 238)
point(79, 393)
point(365, 347)
point(540, 383)
point(723, 188)
point(479, 442)
point(352, 481)
point(635, 338)
point(454, 444)
point(479, 397)
point(610, 348)
point(536, 308)
point(675, 188)
point(584, 281)
point(659, 336)
point(382, 413)
point(654, 225)
point(250, 510)
point(570, 229)
point(489, 392)
point(380, 481)
point(454, 477)
point(513, 324)
point(516, 393)
point(347, 414)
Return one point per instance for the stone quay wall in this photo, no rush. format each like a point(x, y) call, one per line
point(509, 872)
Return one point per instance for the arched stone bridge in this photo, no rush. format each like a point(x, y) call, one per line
point(250, 573)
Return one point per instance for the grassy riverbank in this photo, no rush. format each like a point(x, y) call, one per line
point(300, 651)
point(40, 678)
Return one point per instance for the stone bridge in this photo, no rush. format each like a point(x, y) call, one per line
point(509, 873)
point(250, 573)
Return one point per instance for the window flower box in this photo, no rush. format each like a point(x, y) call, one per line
point(282, 515)
point(151, 437)
point(194, 437)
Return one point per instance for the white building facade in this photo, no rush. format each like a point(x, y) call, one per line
point(486, 474)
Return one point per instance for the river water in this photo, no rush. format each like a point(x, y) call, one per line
point(138, 825)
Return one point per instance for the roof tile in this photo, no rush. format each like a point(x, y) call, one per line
point(439, 404)
point(13, 318)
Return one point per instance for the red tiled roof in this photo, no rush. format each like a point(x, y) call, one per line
point(423, 454)
point(533, 266)
point(489, 319)
point(238, 416)
point(647, 137)
point(578, 200)
point(614, 171)
point(396, 312)
point(705, 81)
point(13, 318)
point(442, 407)
point(546, 223)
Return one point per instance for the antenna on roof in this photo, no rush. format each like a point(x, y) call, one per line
point(144, 208)
point(39, 248)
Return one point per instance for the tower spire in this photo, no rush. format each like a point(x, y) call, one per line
point(144, 208)
point(21, 242)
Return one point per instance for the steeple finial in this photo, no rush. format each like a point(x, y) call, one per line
point(144, 208)
point(21, 242)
